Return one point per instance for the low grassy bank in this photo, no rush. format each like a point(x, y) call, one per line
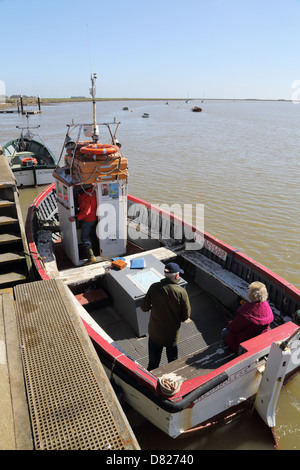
point(13, 102)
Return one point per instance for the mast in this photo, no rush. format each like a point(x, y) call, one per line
point(93, 94)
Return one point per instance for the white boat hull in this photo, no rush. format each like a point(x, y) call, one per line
point(32, 177)
point(236, 393)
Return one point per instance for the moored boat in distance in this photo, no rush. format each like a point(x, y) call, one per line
point(212, 383)
point(145, 115)
point(31, 161)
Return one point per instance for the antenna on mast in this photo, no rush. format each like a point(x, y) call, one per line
point(93, 93)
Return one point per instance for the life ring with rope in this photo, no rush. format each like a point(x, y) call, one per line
point(31, 160)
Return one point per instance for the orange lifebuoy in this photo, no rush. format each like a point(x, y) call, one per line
point(99, 149)
point(29, 159)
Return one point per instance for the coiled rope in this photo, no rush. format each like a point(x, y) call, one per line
point(170, 384)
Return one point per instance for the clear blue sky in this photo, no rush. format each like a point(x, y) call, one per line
point(158, 48)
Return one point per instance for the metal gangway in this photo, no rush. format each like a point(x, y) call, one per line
point(57, 395)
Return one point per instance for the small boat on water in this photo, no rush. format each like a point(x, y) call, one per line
point(145, 115)
point(125, 108)
point(211, 383)
point(196, 109)
point(31, 162)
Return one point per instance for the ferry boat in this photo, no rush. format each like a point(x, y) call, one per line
point(196, 109)
point(30, 160)
point(208, 383)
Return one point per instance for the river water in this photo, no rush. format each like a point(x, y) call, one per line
point(240, 159)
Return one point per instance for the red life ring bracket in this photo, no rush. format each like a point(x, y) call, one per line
point(99, 149)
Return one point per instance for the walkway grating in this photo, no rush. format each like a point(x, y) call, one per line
point(71, 402)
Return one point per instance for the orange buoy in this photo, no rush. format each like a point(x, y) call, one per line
point(27, 160)
point(99, 149)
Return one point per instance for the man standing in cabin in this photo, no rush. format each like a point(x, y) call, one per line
point(169, 304)
point(87, 214)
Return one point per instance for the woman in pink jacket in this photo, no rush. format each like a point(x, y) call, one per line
point(252, 318)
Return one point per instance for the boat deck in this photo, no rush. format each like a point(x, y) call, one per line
point(200, 337)
point(203, 330)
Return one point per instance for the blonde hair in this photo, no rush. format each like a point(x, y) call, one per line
point(257, 292)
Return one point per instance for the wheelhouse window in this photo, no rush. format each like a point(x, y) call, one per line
point(62, 193)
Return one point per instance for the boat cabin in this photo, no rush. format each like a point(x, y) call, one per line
point(87, 163)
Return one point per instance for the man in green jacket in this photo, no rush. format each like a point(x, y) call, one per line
point(169, 304)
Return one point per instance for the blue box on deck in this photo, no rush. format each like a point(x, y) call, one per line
point(137, 263)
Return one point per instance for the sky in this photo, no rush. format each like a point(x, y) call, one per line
point(240, 49)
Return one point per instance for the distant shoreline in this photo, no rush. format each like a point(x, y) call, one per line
point(12, 103)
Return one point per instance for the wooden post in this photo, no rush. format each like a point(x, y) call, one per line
point(21, 100)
